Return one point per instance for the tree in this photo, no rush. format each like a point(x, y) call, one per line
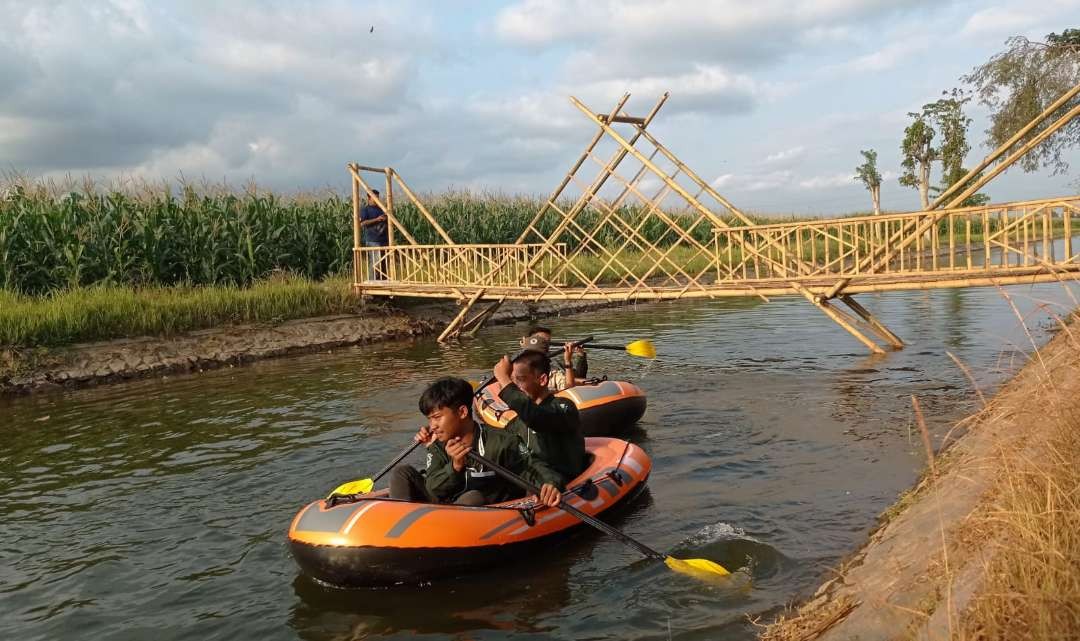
point(945, 117)
point(867, 173)
point(1020, 83)
point(918, 152)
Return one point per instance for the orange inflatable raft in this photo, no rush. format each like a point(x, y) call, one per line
point(606, 407)
point(372, 540)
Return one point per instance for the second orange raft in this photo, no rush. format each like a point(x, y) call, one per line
point(606, 407)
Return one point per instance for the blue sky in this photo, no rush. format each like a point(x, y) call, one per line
point(771, 100)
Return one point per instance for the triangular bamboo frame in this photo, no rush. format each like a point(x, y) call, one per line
point(631, 243)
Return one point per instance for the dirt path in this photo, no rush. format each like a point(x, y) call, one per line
point(113, 361)
point(921, 567)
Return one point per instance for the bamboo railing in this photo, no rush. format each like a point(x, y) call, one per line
point(1004, 243)
point(972, 241)
point(459, 266)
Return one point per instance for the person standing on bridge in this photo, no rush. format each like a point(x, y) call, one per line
point(374, 223)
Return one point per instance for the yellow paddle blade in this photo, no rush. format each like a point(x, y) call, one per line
point(696, 567)
point(363, 486)
point(644, 349)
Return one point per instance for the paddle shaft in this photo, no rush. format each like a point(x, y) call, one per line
point(554, 352)
point(566, 507)
point(399, 458)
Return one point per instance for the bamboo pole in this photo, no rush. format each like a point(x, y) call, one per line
point(839, 318)
point(371, 194)
point(390, 217)
point(1067, 216)
point(356, 231)
point(601, 178)
point(977, 185)
point(997, 277)
point(1005, 164)
point(573, 170)
point(873, 322)
point(454, 325)
point(423, 210)
point(628, 147)
point(997, 153)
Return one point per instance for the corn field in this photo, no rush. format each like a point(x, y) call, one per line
point(53, 240)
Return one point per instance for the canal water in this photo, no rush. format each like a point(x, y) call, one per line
point(158, 509)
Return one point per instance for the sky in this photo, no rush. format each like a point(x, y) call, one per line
point(771, 100)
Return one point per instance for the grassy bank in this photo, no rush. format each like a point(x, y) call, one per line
point(1029, 587)
point(986, 546)
point(110, 311)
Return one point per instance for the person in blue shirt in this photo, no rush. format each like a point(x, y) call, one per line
point(376, 233)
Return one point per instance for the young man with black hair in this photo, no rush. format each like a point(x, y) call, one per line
point(451, 433)
point(548, 426)
point(376, 233)
point(572, 365)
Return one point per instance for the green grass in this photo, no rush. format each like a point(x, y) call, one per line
point(110, 311)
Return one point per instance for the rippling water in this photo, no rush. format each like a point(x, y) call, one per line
point(158, 509)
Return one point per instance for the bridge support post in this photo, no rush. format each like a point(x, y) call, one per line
point(873, 322)
point(473, 325)
point(840, 317)
point(454, 328)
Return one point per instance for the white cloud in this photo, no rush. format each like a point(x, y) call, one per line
point(998, 21)
point(287, 92)
point(754, 181)
point(827, 181)
point(732, 27)
point(786, 155)
point(889, 56)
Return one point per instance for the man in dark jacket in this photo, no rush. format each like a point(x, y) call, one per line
point(451, 433)
point(548, 426)
point(376, 233)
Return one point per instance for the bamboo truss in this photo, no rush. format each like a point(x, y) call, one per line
point(631, 221)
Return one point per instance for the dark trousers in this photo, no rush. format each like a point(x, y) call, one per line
point(407, 484)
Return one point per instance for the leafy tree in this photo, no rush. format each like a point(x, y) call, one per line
point(867, 173)
point(918, 152)
point(945, 117)
point(1020, 82)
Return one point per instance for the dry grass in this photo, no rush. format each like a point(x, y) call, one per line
point(1031, 583)
point(804, 626)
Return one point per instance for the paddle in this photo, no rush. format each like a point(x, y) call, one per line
point(553, 352)
point(363, 486)
point(686, 566)
point(641, 349)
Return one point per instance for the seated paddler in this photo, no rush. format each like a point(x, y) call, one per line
point(450, 476)
point(573, 366)
point(548, 426)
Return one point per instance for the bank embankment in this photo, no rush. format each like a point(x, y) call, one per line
point(987, 544)
point(92, 363)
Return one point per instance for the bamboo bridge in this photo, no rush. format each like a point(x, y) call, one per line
point(630, 221)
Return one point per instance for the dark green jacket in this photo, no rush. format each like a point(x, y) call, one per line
point(551, 430)
point(496, 445)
